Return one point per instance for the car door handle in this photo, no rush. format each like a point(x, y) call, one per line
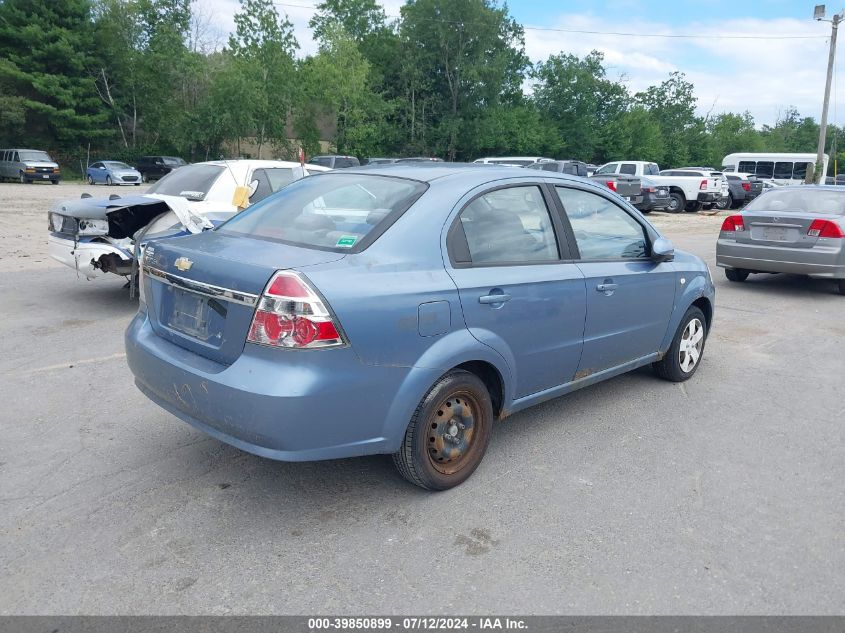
point(606, 287)
point(494, 298)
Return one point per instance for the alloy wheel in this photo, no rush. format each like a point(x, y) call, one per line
point(691, 344)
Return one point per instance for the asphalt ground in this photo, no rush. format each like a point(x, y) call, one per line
point(722, 495)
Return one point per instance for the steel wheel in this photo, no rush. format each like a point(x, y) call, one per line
point(692, 342)
point(725, 203)
point(448, 433)
point(452, 433)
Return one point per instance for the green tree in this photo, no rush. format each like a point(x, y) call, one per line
point(263, 47)
point(336, 84)
point(45, 64)
point(461, 57)
point(672, 103)
point(729, 133)
point(583, 103)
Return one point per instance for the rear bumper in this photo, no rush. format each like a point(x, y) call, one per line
point(650, 202)
point(815, 262)
point(281, 404)
point(81, 256)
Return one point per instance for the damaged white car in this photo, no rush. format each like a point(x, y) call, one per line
point(96, 236)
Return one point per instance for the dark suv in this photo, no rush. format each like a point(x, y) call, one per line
point(154, 167)
point(333, 161)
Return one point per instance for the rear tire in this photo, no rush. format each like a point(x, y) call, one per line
point(448, 433)
point(687, 349)
point(725, 203)
point(693, 207)
point(677, 202)
point(841, 283)
point(736, 274)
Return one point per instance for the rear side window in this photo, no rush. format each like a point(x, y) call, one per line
point(607, 169)
point(628, 168)
point(335, 211)
point(270, 181)
point(602, 230)
point(747, 167)
point(323, 161)
point(650, 169)
point(800, 170)
point(509, 226)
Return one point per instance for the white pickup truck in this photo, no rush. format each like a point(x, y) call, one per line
point(687, 191)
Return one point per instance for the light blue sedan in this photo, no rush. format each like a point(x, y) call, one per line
point(112, 172)
point(403, 309)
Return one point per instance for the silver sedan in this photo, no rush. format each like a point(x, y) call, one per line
point(798, 230)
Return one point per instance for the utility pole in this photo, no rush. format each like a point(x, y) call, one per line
point(818, 173)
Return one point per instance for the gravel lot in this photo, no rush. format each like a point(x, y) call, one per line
point(722, 495)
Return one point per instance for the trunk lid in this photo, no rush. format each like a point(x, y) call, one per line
point(780, 228)
point(201, 290)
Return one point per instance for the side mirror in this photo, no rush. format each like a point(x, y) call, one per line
point(102, 167)
point(253, 187)
point(662, 250)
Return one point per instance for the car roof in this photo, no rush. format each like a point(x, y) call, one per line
point(474, 173)
point(251, 162)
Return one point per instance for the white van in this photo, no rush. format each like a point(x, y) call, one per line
point(783, 168)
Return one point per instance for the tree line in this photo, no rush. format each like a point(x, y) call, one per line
point(120, 78)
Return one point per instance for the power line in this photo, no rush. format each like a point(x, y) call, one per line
point(613, 33)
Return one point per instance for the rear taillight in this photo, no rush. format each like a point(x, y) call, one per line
point(825, 228)
point(703, 185)
point(611, 184)
point(733, 223)
point(649, 190)
point(746, 186)
point(291, 314)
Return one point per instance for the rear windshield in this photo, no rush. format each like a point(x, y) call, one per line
point(800, 200)
point(192, 181)
point(172, 160)
point(331, 211)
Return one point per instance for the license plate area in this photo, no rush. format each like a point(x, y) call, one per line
point(775, 233)
point(190, 314)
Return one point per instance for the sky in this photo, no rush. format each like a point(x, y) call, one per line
point(732, 72)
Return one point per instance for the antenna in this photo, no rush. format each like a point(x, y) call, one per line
point(818, 12)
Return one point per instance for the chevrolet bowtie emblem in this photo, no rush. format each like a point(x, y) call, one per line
point(183, 263)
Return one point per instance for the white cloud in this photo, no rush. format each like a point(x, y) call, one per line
point(762, 76)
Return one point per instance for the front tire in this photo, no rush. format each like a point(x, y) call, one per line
point(108, 181)
point(23, 179)
point(448, 433)
point(736, 274)
point(684, 354)
point(91, 180)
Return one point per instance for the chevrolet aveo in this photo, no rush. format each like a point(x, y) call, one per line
point(402, 309)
